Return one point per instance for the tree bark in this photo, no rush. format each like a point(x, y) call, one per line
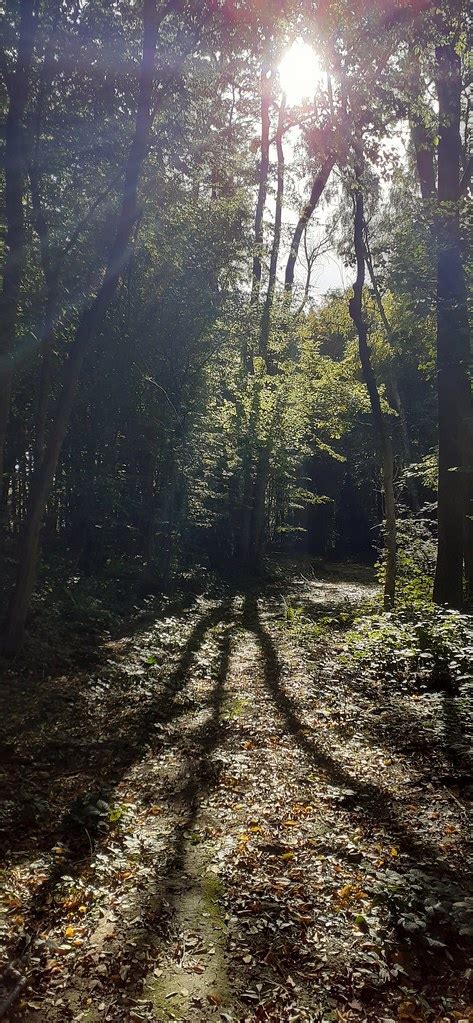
point(244, 536)
point(455, 428)
point(393, 384)
point(88, 324)
point(50, 310)
point(318, 186)
point(381, 430)
point(425, 157)
point(262, 185)
point(18, 88)
point(263, 461)
point(273, 263)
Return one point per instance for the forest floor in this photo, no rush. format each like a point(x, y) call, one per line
point(207, 819)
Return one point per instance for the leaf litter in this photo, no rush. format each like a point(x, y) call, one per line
point(220, 823)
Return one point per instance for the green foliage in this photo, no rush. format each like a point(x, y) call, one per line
point(182, 415)
point(416, 553)
point(428, 647)
point(427, 909)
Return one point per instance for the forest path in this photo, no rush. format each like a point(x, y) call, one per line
point(273, 825)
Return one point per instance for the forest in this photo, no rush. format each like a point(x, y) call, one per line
point(236, 511)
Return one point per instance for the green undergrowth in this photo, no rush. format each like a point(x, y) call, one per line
point(416, 642)
point(431, 646)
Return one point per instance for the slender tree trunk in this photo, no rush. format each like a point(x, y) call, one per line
point(41, 226)
point(273, 263)
point(50, 311)
point(453, 340)
point(258, 510)
point(263, 462)
point(262, 185)
point(393, 384)
point(18, 87)
point(244, 531)
point(425, 158)
point(88, 324)
point(318, 186)
point(381, 430)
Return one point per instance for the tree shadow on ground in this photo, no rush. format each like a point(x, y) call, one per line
point(374, 801)
point(153, 929)
point(101, 766)
point(200, 775)
point(391, 721)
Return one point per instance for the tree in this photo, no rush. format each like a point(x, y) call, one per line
point(453, 341)
point(382, 432)
point(17, 82)
point(88, 324)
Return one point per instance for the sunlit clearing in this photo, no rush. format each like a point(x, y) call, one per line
point(300, 72)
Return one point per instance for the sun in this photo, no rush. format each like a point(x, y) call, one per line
point(300, 72)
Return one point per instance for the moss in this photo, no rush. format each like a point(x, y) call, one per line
point(234, 708)
point(199, 910)
point(212, 891)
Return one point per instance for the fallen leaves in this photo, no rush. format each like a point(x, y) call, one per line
point(325, 900)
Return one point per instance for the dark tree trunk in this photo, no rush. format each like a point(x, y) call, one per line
point(425, 158)
point(453, 340)
point(245, 515)
point(50, 310)
point(393, 385)
point(88, 324)
point(262, 185)
point(18, 87)
point(318, 186)
point(49, 267)
point(273, 263)
point(263, 462)
point(381, 430)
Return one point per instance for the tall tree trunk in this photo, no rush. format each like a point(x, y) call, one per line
point(393, 384)
point(88, 324)
point(381, 429)
point(244, 532)
point(273, 263)
point(425, 157)
point(50, 310)
point(263, 462)
point(41, 226)
point(18, 87)
point(262, 185)
point(453, 340)
point(318, 186)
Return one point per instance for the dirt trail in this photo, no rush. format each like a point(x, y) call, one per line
point(262, 847)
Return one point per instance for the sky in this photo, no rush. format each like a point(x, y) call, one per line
point(301, 74)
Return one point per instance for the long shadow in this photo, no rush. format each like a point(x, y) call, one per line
point(406, 734)
point(78, 836)
point(201, 775)
point(374, 800)
point(154, 931)
point(402, 729)
point(457, 735)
